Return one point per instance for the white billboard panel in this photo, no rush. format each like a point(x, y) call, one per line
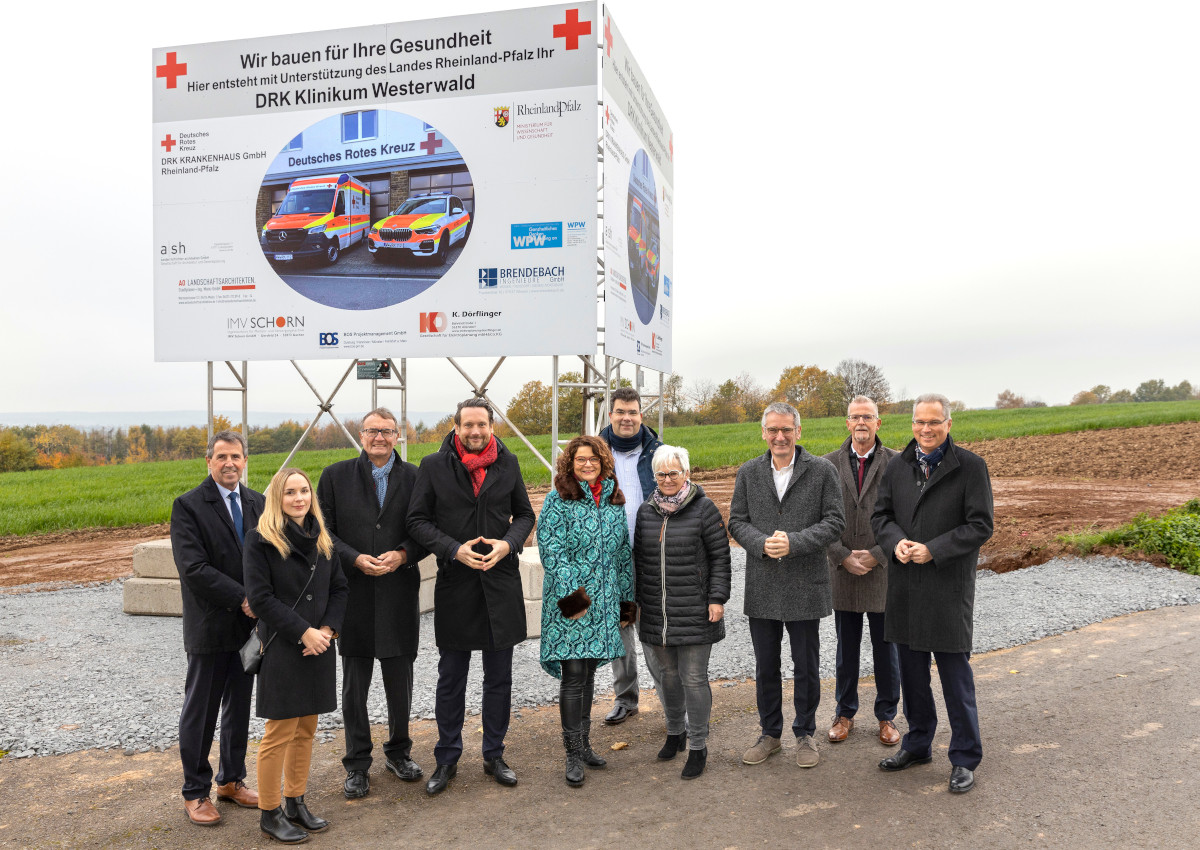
point(639, 151)
point(405, 190)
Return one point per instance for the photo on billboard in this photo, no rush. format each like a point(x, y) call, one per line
point(352, 214)
point(644, 235)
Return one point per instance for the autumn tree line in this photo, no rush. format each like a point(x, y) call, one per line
point(814, 391)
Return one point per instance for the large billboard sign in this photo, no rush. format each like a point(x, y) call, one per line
point(412, 189)
point(639, 177)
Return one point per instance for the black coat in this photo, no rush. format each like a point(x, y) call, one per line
point(383, 614)
point(291, 684)
point(681, 566)
point(930, 607)
point(208, 555)
point(445, 513)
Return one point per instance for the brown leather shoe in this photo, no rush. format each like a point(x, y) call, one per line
point(840, 729)
point(202, 812)
point(237, 792)
point(888, 736)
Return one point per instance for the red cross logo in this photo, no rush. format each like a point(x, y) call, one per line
point(431, 143)
point(572, 28)
point(172, 70)
point(606, 115)
point(168, 143)
point(608, 34)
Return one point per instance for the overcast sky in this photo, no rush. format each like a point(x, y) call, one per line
point(972, 196)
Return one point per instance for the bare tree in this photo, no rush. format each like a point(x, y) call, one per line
point(861, 378)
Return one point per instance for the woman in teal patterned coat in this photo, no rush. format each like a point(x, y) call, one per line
point(587, 588)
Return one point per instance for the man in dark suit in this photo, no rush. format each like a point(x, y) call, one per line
point(858, 571)
point(365, 503)
point(208, 525)
point(471, 509)
point(933, 512)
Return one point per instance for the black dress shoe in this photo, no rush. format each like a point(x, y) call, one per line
point(405, 768)
point(619, 714)
point(500, 771)
point(275, 824)
point(441, 778)
point(962, 779)
point(298, 813)
point(903, 759)
point(356, 785)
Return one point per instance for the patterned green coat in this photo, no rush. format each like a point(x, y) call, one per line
point(583, 545)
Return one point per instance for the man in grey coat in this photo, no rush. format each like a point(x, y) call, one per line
point(786, 509)
point(933, 512)
point(858, 571)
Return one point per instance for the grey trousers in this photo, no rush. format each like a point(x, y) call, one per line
point(685, 692)
point(625, 670)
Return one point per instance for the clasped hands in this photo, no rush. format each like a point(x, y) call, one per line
point(316, 641)
point(777, 546)
point(859, 562)
point(383, 564)
point(467, 555)
point(910, 550)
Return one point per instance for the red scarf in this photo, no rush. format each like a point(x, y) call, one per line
point(596, 486)
point(477, 464)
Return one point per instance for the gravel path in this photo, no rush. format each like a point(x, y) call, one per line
point(78, 673)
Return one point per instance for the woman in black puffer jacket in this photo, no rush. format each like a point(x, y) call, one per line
point(681, 575)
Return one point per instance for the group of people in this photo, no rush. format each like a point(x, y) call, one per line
point(632, 550)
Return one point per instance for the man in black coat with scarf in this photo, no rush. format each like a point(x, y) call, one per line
point(208, 526)
point(933, 512)
point(470, 508)
point(365, 502)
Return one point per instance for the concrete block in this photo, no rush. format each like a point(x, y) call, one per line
point(158, 597)
point(531, 574)
point(533, 617)
point(428, 567)
point(153, 559)
point(426, 596)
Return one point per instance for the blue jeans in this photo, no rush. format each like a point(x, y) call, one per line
point(804, 637)
point(849, 625)
point(684, 689)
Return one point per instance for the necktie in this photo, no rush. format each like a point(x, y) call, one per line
point(236, 509)
point(862, 462)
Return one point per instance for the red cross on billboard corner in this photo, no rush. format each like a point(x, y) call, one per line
point(431, 143)
point(171, 70)
point(608, 34)
point(571, 28)
point(168, 143)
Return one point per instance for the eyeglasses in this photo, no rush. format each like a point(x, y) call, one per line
point(861, 417)
point(380, 432)
point(672, 475)
point(928, 423)
point(587, 461)
point(787, 432)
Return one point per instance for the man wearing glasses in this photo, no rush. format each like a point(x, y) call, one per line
point(933, 512)
point(633, 445)
point(857, 568)
point(365, 503)
point(786, 509)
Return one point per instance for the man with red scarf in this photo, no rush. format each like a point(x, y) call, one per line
point(470, 508)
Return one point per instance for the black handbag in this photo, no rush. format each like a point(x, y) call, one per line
point(253, 649)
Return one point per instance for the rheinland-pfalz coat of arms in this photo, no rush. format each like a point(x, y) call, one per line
point(501, 116)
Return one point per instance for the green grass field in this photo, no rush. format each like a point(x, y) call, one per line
point(50, 500)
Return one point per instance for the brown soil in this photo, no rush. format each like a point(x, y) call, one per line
point(1044, 486)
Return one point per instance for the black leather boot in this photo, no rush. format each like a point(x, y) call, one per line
point(573, 741)
point(589, 756)
point(275, 824)
point(675, 744)
point(298, 813)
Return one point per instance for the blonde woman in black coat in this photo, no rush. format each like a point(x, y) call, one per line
point(297, 589)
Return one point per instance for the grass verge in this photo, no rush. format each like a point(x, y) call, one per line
point(1175, 535)
point(42, 501)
